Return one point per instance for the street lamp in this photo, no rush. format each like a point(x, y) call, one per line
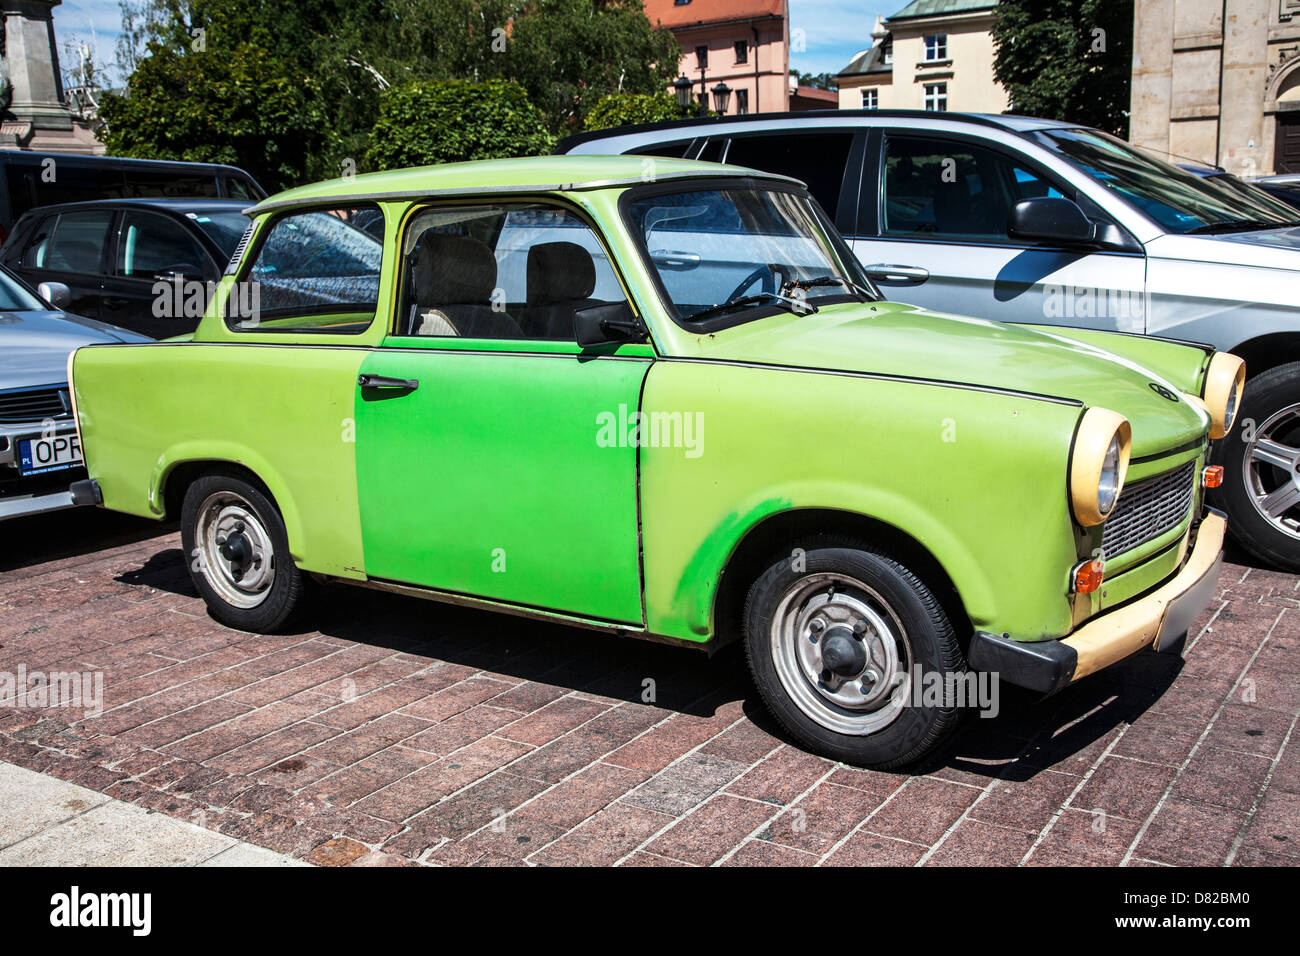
point(683, 88)
point(721, 97)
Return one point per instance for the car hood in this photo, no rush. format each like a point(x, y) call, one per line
point(34, 346)
point(1269, 248)
point(902, 340)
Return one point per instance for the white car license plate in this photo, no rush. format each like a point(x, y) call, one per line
point(36, 456)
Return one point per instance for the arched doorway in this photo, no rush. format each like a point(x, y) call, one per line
point(1285, 90)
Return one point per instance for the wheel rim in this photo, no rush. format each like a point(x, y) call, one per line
point(1271, 470)
point(840, 651)
point(236, 555)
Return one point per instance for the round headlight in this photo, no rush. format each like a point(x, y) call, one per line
point(1224, 380)
point(1099, 464)
point(1109, 482)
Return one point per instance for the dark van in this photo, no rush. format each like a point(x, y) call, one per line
point(28, 180)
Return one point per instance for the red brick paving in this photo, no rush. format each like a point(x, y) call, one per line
point(404, 732)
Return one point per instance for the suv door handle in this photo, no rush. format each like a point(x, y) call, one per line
point(908, 275)
point(383, 381)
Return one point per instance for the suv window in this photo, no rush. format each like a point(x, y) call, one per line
point(954, 190)
point(314, 271)
point(818, 159)
point(69, 242)
point(501, 271)
point(675, 150)
point(150, 245)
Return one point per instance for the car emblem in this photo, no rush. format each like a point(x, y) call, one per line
point(1164, 392)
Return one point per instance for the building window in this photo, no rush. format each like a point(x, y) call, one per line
point(742, 101)
point(887, 53)
point(680, 3)
point(702, 57)
point(742, 51)
point(870, 99)
point(936, 46)
point(936, 97)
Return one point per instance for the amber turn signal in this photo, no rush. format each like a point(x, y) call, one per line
point(1212, 476)
point(1087, 577)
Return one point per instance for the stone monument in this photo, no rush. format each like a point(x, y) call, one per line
point(34, 113)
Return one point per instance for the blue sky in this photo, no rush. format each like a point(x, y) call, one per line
point(834, 30)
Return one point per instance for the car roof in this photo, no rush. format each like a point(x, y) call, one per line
point(175, 205)
point(702, 126)
point(529, 174)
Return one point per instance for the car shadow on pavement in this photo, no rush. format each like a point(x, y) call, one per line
point(1027, 735)
point(70, 533)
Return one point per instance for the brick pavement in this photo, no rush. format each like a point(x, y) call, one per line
point(405, 732)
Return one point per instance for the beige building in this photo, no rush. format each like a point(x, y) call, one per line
point(930, 55)
point(1227, 97)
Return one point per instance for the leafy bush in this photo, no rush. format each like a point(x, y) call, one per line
point(624, 109)
point(454, 120)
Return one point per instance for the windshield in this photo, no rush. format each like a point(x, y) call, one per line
point(740, 251)
point(1177, 200)
point(14, 298)
point(223, 228)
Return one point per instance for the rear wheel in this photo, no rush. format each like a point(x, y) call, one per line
point(238, 554)
point(1261, 459)
point(833, 635)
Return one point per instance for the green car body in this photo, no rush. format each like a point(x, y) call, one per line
point(514, 477)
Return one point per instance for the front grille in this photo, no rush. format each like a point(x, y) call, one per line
point(1148, 509)
point(34, 404)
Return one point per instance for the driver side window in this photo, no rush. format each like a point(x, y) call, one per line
point(149, 245)
point(952, 190)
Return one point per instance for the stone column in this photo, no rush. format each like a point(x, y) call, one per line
point(1245, 75)
point(37, 117)
point(1151, 94)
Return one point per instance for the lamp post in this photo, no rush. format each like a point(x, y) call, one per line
point(721, 97)
point(682, 87)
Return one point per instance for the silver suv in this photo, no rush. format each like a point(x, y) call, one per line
point(1027, 220)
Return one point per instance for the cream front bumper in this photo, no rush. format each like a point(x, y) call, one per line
point(1156, 621)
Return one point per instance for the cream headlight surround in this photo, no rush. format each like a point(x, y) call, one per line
point(1224, 381)
point(1099, 464)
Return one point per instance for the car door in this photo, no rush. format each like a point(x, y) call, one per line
point(485, 464)
point(933, 233)
point(152, 248)
point(71, 247)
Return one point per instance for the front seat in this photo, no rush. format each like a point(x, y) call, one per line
point(455, 277)
point(561, 278)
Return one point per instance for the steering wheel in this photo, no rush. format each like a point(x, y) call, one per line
point(765, 272)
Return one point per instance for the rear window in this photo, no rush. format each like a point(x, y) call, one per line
point(71, 242)
point(313, 271)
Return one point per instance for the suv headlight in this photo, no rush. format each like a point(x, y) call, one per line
point(1224, 380)
point(1099, 464)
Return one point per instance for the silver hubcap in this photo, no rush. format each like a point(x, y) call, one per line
point(840, 651)
point(235, 552)
point(1272, 470)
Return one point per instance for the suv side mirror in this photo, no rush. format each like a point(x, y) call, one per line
point(1051, 220)
point(610, 324)
point(55, 293)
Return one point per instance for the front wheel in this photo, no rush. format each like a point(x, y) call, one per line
point(837, 639)
point(238, 553)
point(1261, 464)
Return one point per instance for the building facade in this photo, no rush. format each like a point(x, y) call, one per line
point(1218, 82)
point(930, 55)
point(744, 44)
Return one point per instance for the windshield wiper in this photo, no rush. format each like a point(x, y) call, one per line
point(795, 306)
point(1240, 225)
point(805, 284)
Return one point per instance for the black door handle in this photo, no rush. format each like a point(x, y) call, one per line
point(383, 381)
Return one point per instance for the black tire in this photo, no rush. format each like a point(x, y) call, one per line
point(262, 611)
point(1267, 395)
point(912, 732)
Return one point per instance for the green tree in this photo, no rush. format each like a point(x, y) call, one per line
point(455, 120)
point(238, 106)
point(623, 109)
point(1067, 59)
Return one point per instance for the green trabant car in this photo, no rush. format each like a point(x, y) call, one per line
point(660, 399)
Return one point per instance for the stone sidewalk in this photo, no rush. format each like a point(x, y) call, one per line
point(49, 822)
point(404, 732)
